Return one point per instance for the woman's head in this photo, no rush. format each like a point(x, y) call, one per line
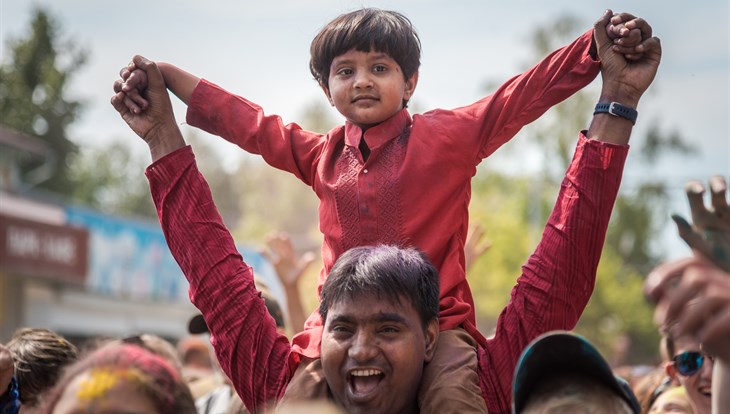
point(121, 378)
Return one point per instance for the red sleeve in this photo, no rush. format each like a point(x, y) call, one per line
point(242, 122)
point(486, 125)
point(557, 280)
point(256, 359)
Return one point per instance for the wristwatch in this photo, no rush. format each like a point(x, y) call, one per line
point(616, 109)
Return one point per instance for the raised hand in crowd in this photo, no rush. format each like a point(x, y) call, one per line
point(709, 233)
point(290, 267)
point(476, 244)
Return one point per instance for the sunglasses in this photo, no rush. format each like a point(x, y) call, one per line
point(689, 363)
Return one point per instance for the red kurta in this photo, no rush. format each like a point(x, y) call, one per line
point(415, 187)
point(551, 293)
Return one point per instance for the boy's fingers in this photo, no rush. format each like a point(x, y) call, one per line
point(642, 25)
point(695, 192)
point(718, 191)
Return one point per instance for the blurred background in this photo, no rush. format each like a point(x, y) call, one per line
point(81, 251)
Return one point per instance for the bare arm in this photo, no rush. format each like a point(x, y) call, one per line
point(178, 81)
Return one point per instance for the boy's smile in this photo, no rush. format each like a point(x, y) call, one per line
point(368, 87)
point(373, 352)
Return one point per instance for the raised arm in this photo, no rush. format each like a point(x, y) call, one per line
point(559, 277)
point(251, 353)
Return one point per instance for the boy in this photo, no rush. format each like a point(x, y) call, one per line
point(369, 174)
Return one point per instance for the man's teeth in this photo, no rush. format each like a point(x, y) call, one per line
point(705, 390)
point(365, 372)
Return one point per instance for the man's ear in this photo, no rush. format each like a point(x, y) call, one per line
point(326, 91)
point(410, 86)
point(432, 337)
point(672, 373)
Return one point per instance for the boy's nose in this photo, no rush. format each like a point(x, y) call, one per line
point(363, 80)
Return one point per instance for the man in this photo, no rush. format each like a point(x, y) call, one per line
point(377, 341)
point(561, 372)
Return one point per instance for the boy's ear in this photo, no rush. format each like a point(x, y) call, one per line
point(410, 86)
point(326, 91)
point(431, 334)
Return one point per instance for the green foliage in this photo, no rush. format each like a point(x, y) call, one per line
point(111, 179)
point(33, 100)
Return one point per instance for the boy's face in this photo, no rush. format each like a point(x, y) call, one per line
point(373, 353)
point(698, 385)
point(368, 87)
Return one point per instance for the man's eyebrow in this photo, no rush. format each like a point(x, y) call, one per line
point(379, 318)
point(391, 317)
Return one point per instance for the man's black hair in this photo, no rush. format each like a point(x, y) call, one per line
point(388, 272)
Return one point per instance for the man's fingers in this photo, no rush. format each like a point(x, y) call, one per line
point(601, 26)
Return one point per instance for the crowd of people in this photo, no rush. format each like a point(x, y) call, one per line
point(395, 328)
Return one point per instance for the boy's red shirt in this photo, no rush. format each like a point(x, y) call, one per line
point(415, 187)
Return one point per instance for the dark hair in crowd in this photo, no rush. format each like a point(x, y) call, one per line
point(365, 30)
point(39, 355)
point(153, 376)
point(389, 272)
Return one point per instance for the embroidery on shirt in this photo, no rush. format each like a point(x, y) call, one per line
point(384, 172)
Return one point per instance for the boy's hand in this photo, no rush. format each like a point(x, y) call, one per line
point(133, 83)
point(627, 31)
point(709, 235)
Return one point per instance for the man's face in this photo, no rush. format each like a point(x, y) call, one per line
point(368, 87)
point(373, 353)
point(698, 385)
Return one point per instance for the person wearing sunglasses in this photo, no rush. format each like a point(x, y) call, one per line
point(693, 302)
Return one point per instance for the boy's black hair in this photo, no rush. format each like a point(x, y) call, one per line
point(388, 272)
point(365, 30)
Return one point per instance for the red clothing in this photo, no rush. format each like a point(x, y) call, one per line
point(551, 293)
point(415, 187)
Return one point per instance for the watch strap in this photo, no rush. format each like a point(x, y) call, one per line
point(616, 109)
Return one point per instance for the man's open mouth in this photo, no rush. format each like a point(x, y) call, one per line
point(364, 382)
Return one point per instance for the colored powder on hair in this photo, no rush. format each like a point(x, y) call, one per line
point(101, 380)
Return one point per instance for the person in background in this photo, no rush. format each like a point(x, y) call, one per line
point(9, 398)
point(120, 378)
point(692, 297)
point(670, 398)
point(39, 356)
point(561, 372)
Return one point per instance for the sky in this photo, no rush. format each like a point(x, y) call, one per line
point(260, 50)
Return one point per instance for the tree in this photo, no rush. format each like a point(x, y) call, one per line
point(33, 99)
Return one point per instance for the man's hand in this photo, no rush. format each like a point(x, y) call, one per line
point(709, 235)
point(625, 80)
point(156, 125)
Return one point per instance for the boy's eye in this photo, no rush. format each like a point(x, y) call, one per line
point(344, 71)
point(380, 68)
